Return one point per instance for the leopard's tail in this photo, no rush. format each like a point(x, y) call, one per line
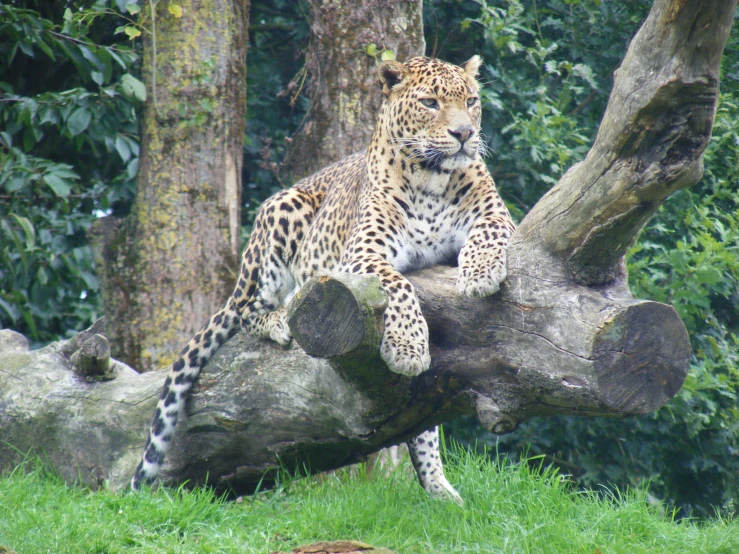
point(177, 386)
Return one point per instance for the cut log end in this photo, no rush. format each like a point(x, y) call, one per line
point(93, 357)
point(334, 316)
point(641, 358)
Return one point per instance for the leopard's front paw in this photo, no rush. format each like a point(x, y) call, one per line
point(403, 356)
point(272, 325)
point(481, 279)
point(279, 331)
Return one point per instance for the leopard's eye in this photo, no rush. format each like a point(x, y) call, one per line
point(471, 101)
point(429, 103)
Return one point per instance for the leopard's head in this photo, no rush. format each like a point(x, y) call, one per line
point(431, 112)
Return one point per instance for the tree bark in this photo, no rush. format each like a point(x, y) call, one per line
point(563, 336)
point(168, 266)
point(343, 84)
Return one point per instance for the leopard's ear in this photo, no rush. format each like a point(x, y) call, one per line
point(392, 74)
point(472, 66)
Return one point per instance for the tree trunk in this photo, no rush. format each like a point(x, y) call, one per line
point(563, 336)
point(167, 267)
point(343, 84)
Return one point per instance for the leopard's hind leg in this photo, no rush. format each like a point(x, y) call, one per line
point(266, 280)
point(425, 454)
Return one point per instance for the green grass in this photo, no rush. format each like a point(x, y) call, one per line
point(509, 508)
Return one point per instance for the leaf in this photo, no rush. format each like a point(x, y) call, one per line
point(48, 115)
point(26, 48)
point(123, 149)
point(133, 145)
point(97, 76)
point(120, 61)
point(90, 280)
point(57, 184)
point(175, 10)
point(79, 120)
point(132, 168)
point(708, 275)
point(10, 309)
point(18, 245)
point(64, 171)
point(42, 276)
point(131, 31)
point(387, 55)
point(132, 87)
point(29, 139)
point(28, 230)
point(45, 48)
point(73, 54)
point(133, 8)
point(13, 51)
point(678, 259)
point(91, 57)
point(14, 183)
point(28, 318)
point(27, 112)
point(107, 60)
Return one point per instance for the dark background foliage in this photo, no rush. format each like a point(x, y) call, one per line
point(69, 154)
point(68, 151)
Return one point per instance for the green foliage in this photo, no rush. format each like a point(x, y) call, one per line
point(546, 79)
point(551, 64)
point(275, 108)
point(68, 153)
point(509, 508)
point(69, 147)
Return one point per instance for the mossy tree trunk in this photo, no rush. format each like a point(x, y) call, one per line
point(167, 267)
point(343, 85)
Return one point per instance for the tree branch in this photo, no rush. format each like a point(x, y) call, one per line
point(650, 143)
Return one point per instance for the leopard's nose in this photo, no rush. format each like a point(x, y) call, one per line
point(462, 133)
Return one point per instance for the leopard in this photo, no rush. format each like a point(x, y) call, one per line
point(419, 195)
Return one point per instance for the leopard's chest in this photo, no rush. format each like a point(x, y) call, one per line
point(430, 235)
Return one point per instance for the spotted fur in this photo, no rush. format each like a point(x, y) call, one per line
point(420, 195)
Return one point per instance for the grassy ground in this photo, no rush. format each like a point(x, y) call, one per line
point(509, 508)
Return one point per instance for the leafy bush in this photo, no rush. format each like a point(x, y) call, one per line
point(68, 152)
